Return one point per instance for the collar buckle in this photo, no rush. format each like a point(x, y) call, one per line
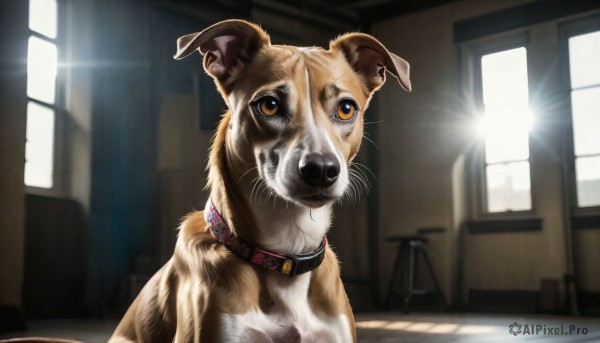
point(303, 263)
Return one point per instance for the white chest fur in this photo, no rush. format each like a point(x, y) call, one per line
point(290, 319)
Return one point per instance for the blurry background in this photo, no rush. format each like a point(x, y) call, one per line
point(494, 156)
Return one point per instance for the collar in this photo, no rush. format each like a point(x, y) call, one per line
point(290, 265)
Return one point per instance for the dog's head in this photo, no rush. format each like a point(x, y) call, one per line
point(296, 114)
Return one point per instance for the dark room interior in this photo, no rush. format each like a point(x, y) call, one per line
point(481, 184)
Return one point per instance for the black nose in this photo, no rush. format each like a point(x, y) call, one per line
point(319, 170)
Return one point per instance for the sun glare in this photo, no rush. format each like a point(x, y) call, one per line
point(426, 327)
point(505, 96)
point(502, 121)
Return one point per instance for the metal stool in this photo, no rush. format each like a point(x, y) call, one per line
point(404, 271)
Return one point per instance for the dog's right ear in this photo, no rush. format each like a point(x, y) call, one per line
point(226, 46)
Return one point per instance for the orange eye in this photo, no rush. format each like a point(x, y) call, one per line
point(346, 110)
point(268, 106)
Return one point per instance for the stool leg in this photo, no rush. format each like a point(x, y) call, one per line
point(435, 280)
point(409, 280)
point(393, 281)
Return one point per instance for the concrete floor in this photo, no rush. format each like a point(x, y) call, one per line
point(384, 327)
point(430, 328)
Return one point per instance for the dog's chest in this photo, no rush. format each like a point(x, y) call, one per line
point(290, 319)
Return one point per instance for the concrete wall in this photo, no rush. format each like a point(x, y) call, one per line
point(428, 127)
point(13, 39)
point(124, 184)
point(427, 155)
point(588, 257)
point(182, 156)
point(77, 121)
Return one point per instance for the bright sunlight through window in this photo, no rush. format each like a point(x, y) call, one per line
point(39, 146)
point(505, 127)
point(42, 62)
point(41, 70)
point(584, 63)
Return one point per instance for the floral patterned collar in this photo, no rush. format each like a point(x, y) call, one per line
point(285, 264)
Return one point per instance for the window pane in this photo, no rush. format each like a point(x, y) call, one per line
point(39, 147)
point(588, 181)
point(584, 54)
point(41, 70)
point(508, 187)
point(42, 17)
point(586, 120)
point(506, 124)
point(504, 77)
point(507, 133)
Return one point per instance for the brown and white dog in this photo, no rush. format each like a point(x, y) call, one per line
point(250, 269)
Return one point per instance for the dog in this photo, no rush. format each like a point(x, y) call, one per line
point(255, 265)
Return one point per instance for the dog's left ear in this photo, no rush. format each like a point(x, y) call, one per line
point(371, 59)
point(226, 46)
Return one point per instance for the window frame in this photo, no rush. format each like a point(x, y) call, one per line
point(58, 107)
point(567, 29)
point(475, 50)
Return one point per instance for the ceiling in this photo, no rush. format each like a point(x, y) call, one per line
point(332, 14)
point(375, 10)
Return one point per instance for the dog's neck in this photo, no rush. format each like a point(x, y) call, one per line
point(290, 228)
point(268, 222)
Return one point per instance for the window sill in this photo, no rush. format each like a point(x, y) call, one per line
point(502, 225)
point(586, 222)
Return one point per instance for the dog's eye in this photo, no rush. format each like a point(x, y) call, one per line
point(268, 106)
point(346, 110)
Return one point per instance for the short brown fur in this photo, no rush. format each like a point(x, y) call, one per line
point(185, 300)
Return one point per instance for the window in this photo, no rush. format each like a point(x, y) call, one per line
point(42, 65)
point(505, 126)
point(584, 67)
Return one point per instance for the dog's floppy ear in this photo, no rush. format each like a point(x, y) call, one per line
point(225, 46)
point(371, 59)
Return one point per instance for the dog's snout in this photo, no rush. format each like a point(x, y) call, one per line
point(319, 170)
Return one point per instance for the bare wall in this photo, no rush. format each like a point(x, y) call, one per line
point(13, 39)
point(427, 133)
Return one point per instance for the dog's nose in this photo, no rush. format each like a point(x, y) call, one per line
point(319, 170)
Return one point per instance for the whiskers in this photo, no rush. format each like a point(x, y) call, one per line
point(261, 191)
point(246, 173)
point(358, 177)
point(366, 136)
